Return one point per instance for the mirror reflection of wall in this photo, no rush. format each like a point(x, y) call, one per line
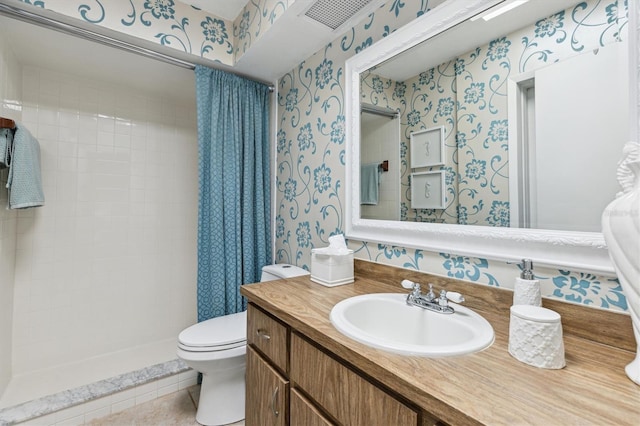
point(467, 94)
point(380, 164)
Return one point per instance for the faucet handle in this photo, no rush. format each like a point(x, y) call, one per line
point(454, 296)
point(408, 284)
point(414, 287)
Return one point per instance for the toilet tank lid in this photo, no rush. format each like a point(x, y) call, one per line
point(284, 270)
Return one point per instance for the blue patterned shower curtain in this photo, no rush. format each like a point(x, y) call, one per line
point(234, 194)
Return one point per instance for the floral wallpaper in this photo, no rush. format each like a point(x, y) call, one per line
point(311, 141)
point(177, 25)
point(468, 96)
point(256, 18)
point(166, 22)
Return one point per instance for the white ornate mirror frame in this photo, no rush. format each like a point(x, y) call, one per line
point(581, 251)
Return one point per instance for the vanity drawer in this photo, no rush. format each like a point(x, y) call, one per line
point(344, 395)
point(269, 336)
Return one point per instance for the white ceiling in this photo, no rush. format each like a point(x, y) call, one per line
point(301, 35)
point(227, 9)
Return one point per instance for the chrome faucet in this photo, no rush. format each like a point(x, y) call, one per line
point(429, 300)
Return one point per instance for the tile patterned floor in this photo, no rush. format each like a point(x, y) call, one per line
point(176, 409)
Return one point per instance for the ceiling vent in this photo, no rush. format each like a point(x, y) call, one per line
point(334, 13)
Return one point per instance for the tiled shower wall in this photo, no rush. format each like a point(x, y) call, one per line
point(109, 262)
point(10, 85)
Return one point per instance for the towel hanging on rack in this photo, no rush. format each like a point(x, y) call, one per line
point(369, 183)
point(24, 181)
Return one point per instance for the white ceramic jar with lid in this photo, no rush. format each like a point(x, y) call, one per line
point(535, 336)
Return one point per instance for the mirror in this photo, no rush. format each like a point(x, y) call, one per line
point(497, 178)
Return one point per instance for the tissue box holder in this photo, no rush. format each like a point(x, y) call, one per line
point(331, 269)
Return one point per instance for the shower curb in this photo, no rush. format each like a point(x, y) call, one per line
point(59, 401)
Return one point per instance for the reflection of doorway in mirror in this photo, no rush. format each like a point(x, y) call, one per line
point(380, 141)
point(559, 185)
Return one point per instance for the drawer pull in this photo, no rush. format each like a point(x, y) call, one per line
point(262, 333)
point(273, 402)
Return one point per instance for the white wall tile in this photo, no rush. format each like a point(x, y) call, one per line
point(96, 414)
point(10, 99)
point(166, 390)
point(48, 420)
point(123, 405)
point(87, 262)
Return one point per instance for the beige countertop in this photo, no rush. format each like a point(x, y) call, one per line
point(490, 387)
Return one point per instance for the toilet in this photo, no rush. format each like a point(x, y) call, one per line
point(216, 348)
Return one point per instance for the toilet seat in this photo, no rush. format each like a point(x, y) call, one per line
point(216, 334)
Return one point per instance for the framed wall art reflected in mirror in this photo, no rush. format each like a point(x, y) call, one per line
point(427, 147)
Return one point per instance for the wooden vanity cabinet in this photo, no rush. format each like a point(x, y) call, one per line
point(341, 392)
point(291, 381)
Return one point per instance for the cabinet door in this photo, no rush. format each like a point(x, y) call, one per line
point(267, 393)
point(305, 414)
point(342, 393)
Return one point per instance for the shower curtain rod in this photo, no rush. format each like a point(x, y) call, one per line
point(43, 21)
point(374, 109)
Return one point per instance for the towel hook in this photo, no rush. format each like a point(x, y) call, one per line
point(7, 123)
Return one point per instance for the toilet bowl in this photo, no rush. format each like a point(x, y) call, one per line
point(216, 348)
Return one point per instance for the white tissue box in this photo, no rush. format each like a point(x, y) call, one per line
point(331, 269)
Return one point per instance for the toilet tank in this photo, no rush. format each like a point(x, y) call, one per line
point(280, 271)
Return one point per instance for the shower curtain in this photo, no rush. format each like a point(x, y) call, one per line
point(234, 192)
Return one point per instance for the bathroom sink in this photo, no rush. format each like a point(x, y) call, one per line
point(385, 321)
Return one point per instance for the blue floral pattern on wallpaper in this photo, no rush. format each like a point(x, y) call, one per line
point(166, 22)
point(465, 96)
point(255, 19)
point(311, 137)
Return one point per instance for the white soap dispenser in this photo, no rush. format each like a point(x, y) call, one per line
point(526, 290)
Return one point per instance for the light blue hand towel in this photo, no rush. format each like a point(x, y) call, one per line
point(369, 183)
point(6, 137)
point(25, 181)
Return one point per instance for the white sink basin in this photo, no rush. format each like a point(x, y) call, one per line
point(385, 321)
